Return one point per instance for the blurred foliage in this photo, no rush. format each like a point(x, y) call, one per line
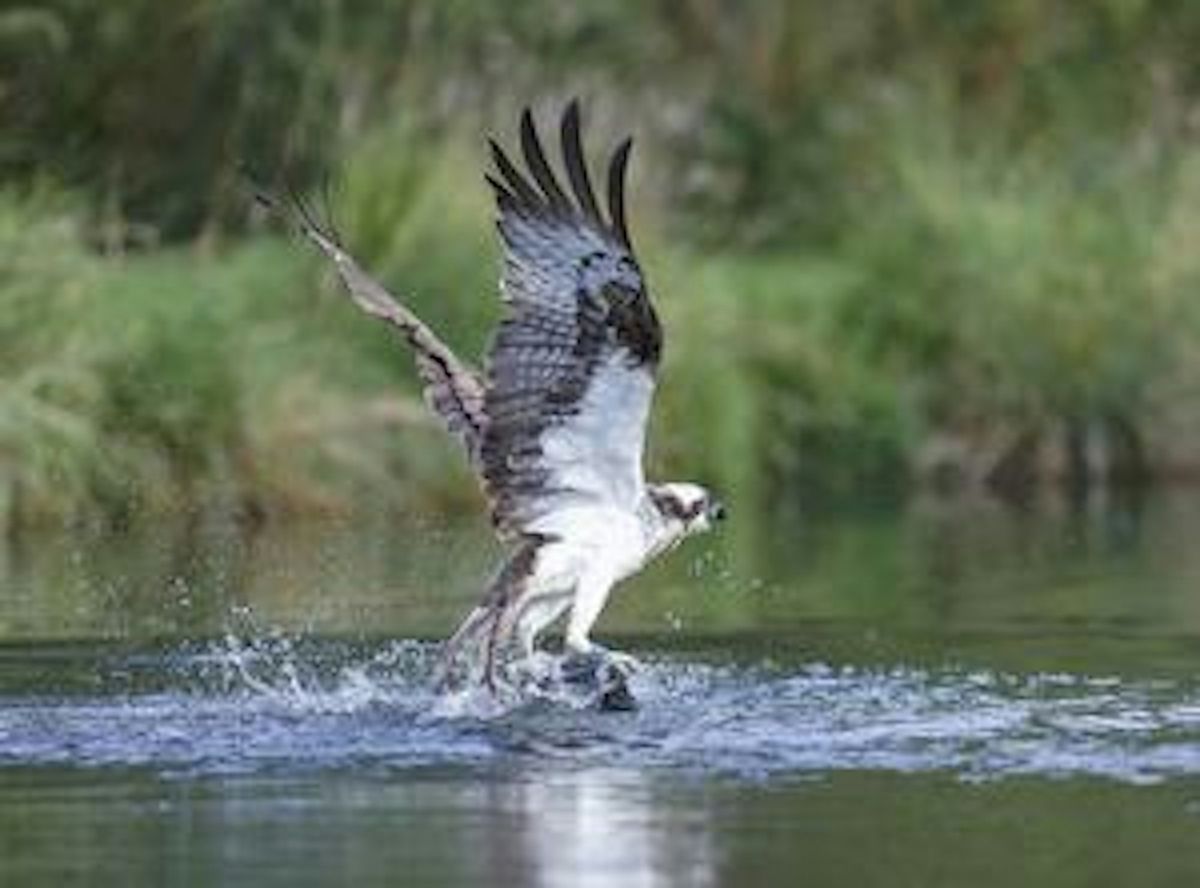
point(776, 112)
point(905, 234)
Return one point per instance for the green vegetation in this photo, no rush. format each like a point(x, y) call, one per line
point(894, 241)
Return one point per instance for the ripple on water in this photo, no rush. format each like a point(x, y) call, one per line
point(274, 703)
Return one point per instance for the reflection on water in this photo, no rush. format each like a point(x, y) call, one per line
point(1105, 590)
point(593, 828)
point(585, 827)
point(192, 579)
point(446, 827)
point(232, 708)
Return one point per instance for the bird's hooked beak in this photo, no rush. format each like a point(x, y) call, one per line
point(716, 512)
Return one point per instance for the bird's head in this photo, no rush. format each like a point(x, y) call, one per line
point(687, 508)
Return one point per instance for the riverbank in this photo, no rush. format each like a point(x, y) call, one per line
point(982, 334)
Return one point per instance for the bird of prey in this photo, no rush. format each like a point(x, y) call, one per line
point(555, 425)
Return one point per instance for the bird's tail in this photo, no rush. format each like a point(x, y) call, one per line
point(474, 654)
point(471, 654)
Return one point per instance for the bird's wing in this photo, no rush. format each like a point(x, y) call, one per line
point(571, 368)
point(453, 390)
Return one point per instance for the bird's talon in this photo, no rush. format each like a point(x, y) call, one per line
point(592, 664)
point(581, 666)
point(626, 664)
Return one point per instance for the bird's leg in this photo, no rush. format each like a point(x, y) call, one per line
point(582, 654)
point(591, 592)
point(535, 613)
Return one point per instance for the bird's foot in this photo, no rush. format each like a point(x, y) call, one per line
point(582, 665)
point(535, 672)
point(626, 664)
point(603, 672)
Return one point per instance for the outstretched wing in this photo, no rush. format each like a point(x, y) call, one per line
point(452, 390)
point(571, 368)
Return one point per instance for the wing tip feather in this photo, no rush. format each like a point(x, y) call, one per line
point(537, 191)
point(575, 162)
point(617, 168)
point(539, 168)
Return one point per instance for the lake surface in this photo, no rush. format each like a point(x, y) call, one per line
point(944, 694)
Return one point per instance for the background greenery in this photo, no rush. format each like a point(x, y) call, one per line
point(894, 242)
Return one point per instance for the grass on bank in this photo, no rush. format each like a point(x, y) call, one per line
point(976, 299)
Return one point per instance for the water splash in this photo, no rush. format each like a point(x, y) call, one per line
point(279, 702)
point(274, 670)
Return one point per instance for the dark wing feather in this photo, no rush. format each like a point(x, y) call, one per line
point(535, 159)
point(452, 390)
point(514, 183)
point(571, 368)
point(616, 192)
point(581, 185)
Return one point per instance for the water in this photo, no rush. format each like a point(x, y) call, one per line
point(949, 694)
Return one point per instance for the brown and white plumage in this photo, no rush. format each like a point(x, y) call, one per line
point(580, 331)
point(556, 425)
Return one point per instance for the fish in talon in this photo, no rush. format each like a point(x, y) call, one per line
point(596, 672)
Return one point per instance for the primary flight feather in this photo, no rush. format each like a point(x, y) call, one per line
point(555, 426)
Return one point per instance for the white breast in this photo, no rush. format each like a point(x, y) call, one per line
point(598, 451)
point(599, 536)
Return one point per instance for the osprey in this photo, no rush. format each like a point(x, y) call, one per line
point(555, 426)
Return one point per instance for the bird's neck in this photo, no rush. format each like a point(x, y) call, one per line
point(661, 532)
